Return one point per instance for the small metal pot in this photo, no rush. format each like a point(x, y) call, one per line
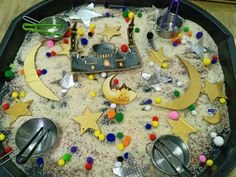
point(175, 151)
point(167, 30)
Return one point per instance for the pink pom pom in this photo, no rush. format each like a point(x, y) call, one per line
point(50, 43)
point(202, 158)
point(173, 115)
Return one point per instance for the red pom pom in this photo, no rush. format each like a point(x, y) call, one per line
point(88, 166)
point(66, 41)
point(8, 149)
point(124, 48)
point(116, 82)
point(68, 33)
point(214, 57)
point(39, 72)
point(178, 41)
point(154, 118)
point(5, 106)
point(127, 19)
point(152, 136)
point(53, 53)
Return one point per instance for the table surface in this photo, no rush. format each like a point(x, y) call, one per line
point(9, 9)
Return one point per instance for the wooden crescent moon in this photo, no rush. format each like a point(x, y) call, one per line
point(124, 95)
point(213, 120)
point(192, 93)
point(32, 78)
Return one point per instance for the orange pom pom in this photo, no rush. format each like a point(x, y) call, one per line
point(111, 113)
point(22, 72)
point(189, 34)
point(125, 143)
point(127, 138)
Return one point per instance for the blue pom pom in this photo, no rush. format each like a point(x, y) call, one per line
point(124, 9)
point(148, 126)
point(213, 61)
point(48, 54)
point(90, 160)
point(199, 35)
point(73, 149)
point(175, 44)
point(126, 155)
point(111, 137)
point(44, 71)
point(84, 41)
point(40, 161)
point(148, 101)
point(107, 14)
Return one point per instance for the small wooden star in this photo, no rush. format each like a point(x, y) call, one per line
point(19, 109)
point(181, 128)
point(214, 90)
point(157, 56)
point(109, 32)
point(88, 120)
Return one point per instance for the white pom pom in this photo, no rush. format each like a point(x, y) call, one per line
point(218, 141)
point(213, 134)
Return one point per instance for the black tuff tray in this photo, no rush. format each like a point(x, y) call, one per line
point(14, 37)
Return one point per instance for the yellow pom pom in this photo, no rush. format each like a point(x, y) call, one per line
point(155, 123)
point(206, 61)
point(2, 137)
point(97, 133)
point(14, 94)
point(22, 94)
point(101, 137)
point(93, 93)
point(61, 162)
point(91, 77)
point(164, 65)
point(222, 100)
point(80, 31)
point(131, 15)
point(121, 147)
point(180, 35)
point(92, 26)
point(209, 162)
point(158, 100)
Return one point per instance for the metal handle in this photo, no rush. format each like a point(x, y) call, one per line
point(30, 20)
point(8, 158)
point(146, 148)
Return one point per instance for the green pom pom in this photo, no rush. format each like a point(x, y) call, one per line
point(67, 157)
point(9, 74)
point(137, 30)
point(186, 29)
point(191, 108)
point(176, 93)
point(119, 135)
point(140, 14)
point(125, 14)
point(119, 117)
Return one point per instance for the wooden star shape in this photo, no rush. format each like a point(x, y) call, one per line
point(157, 56)
point(109, 32)
point(181, 128)
point(214, 90)
point(19, 109)
point(88, 120)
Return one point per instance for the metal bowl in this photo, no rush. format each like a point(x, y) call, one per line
point(54, 20)
point(167, 30)
point(27, 131)
point(178, 148)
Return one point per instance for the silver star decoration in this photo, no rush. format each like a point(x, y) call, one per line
point(86, 14)
point(66, 82)
point(197, 48)
point(132, 169)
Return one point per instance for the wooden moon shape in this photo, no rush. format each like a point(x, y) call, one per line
point(32, 78)
point(214, 119)
point(192, 93)
point(123, 95)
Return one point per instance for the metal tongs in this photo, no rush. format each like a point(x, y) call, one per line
point(185, 173)
point(168, 12)
point(20, 158)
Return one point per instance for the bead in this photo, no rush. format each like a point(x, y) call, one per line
point(93, 93)
point(111, 137)
point(48, 54)
point(73, 149)
point(5, 106)
point(111, 113)
point(9, 74)
point(206, 61)
point(127, 138)
point(91, 77)
point(173, 115)
point(137, 30)
point(202, 158)
point(194, 112)
point(22, 94)
point(67, 157)
point(53, 53)
point(84, 41)
point(131, 15)
point(89, 160)
point(157, 100)
point(2, 137)
point(44, 71)
point(164, 65)
point(39, 72)
point(120, 159)
point(124, 48)
point(88, 166)
point(40, 161)
point(113, 106)
point(125, 14)
point(148, 101)
point(199, 35)
point(209, 162)
point(189, 34)
point(103, 74)
point(97, 133)
point(155, 123)
point(152, 137)
point(14, 94)
point(148, 126)
point(218, 141)
point(119, 117)
point(139, 14)
point(8, 149)
point(176, 93)
point(126, 155)
point(92, 26)
point(115, 81)
point(213, 134)
point(119, 135)
point(191, 107)
point(65, 41)
point(186, 29)
point(22, 72)
point(148, 107)
point(222, 100)
point(120, 147)
point(155, 118)
point(118, 164)
point(50, 43)
point(101, 137)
